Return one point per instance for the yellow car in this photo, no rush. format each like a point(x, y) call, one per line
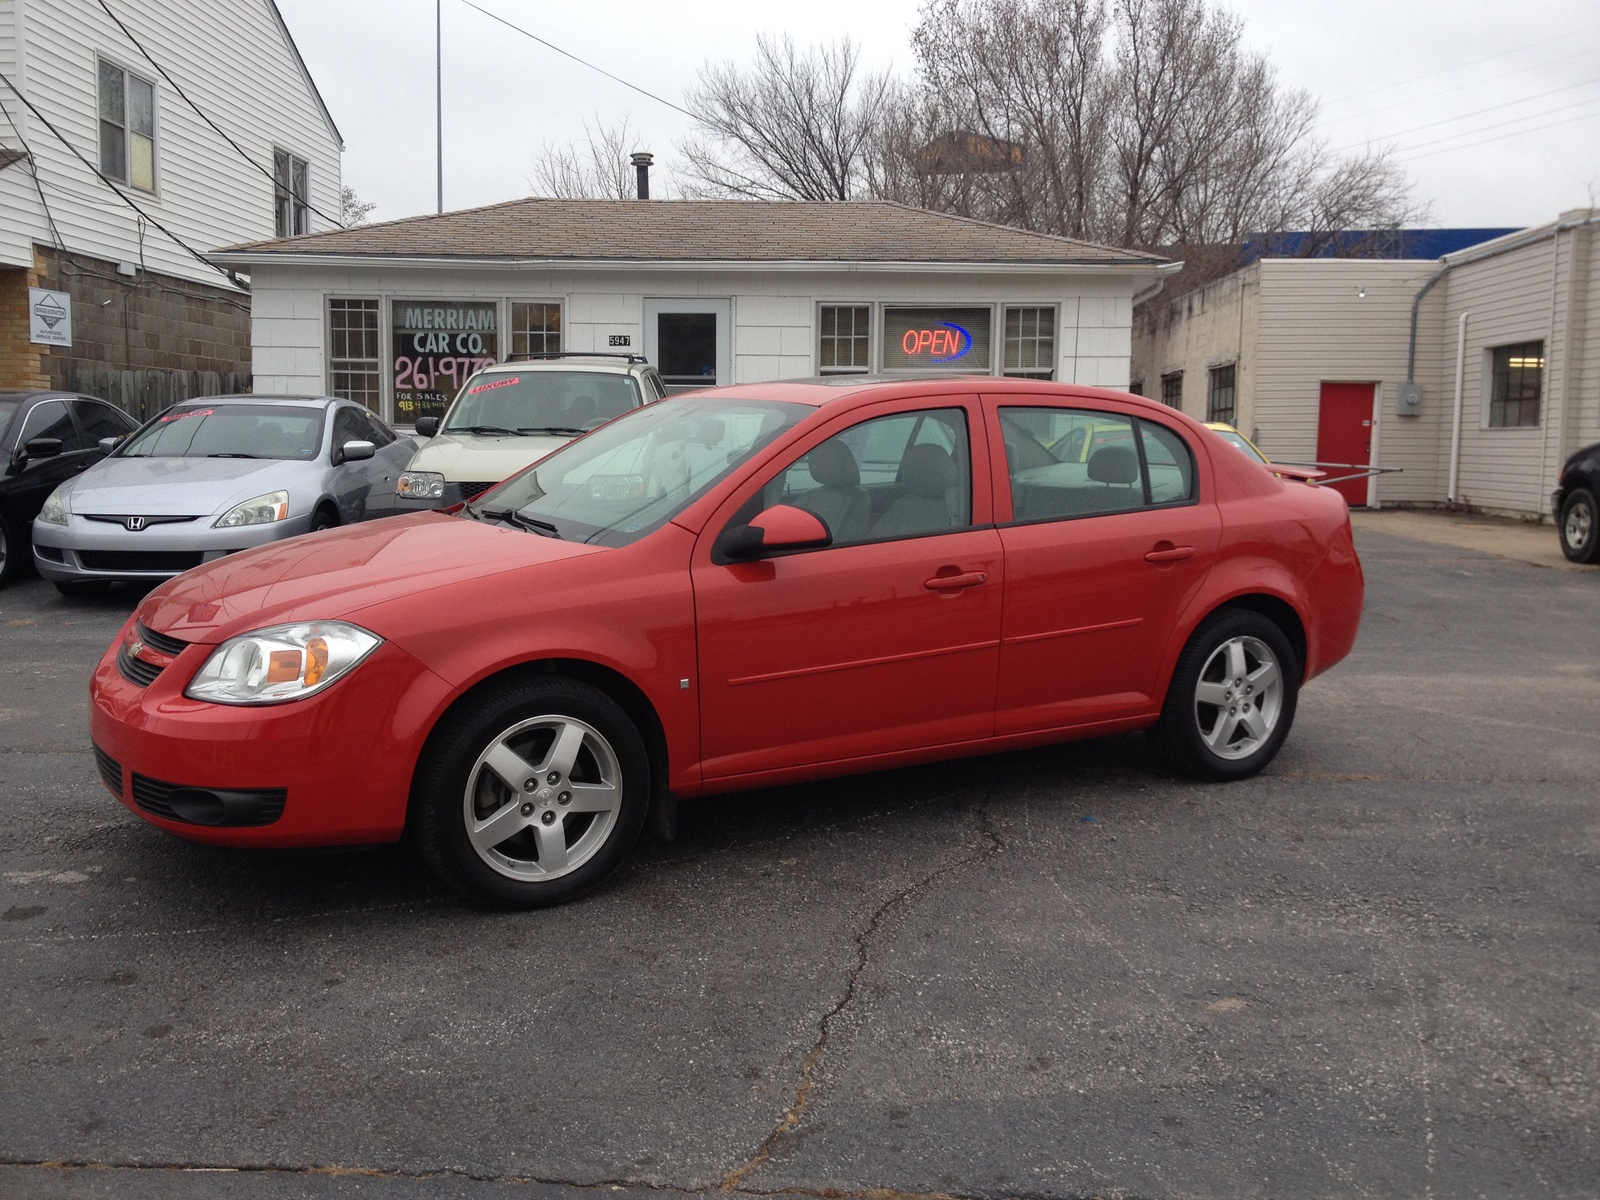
point(1234, 438)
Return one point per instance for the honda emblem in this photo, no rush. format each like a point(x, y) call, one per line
point(134, 524)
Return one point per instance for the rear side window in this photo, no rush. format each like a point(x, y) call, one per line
point(1169, 463)
point(1065, 462)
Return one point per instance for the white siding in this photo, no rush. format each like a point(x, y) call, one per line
point(231, 58)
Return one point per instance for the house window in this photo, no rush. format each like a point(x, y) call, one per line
point(1219, 395)
point(535, 328)
point(1030, 343)
point(127, 127)
point(845, 339)
point(354, 363)
point(1137, 387)
point(291, 190)
point(1517, 380)
point(1172, 390)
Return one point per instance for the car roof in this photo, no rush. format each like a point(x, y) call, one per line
point(844, 389)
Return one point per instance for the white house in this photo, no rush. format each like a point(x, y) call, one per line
point(136, 137)
point(398, 314)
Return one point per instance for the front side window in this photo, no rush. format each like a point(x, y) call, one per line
point(906, 475)
point(535, 328)
point(291, 186)
point(127, 127)
point(1172, 390)
point(1030, 343)
point(229, 431)
point(1066, 462)
point(51, 419)
point(1220, 395)
point(354, 366)
point(1516, 382)
point(844, 339)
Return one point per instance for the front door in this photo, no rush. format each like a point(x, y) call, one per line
point(689, 342)
point(1344, 435)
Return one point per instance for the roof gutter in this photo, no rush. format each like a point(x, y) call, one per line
point(247, 261)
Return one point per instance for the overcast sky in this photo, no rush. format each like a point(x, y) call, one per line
point(1493, 108)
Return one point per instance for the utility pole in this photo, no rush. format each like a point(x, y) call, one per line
point(438, 91)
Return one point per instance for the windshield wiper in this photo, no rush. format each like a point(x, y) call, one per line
point(232, 455)
point(512, 517)
point(563, 430)
point(482, 429)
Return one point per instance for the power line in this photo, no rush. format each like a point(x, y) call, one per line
point(1412, 101)
point(126, 199)
point(616, 78)
point(1475, 113)
point(202, 114)
point(1497, 137)
point(1467, 133)
point(33, 170)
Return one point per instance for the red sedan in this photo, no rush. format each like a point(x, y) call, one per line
point(725, 590)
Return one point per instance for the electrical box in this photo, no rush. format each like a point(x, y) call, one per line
point(1410, 399)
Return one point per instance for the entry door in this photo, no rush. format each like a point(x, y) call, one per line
point(1344, 434)
point(689, 341)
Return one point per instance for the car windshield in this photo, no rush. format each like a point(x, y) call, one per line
point(229, 431)
point(621, 482)
point(535, 402)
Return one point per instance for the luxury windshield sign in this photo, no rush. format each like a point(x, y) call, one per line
point(437, 347)
point(936, 339)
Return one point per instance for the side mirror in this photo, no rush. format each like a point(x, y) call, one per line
point(43, 447)
point(427, 426)
point(354, 452)
point(781, 527)
point(108, 444)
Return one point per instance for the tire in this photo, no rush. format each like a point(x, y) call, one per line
point(78, 588)
point(1204, 729)
point(574, 806)
point(323, 519)
point(1579, 527)
point(11, 550)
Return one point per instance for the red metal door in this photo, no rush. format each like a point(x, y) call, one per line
point(1344, 434)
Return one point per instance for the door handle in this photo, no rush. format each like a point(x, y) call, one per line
point(1170, 554)
point(940, 583)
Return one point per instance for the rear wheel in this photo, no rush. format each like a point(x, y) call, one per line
point(532, 793)
point(10, 550)
point(1579, 528)
point(1232, 697)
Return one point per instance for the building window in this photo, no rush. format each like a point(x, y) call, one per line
point(1518, 379)
point(1172, 390)
point(937, 339)
point(1219, 395)
point(1137, 387)
point(354, 363)
point(845, 339)
point(292, 190)
point(535, 328)
point(127, 127)
point(1030, 343)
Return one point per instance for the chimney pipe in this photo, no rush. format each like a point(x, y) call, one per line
point(641, 167)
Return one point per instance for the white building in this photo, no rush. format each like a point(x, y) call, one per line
point(137, 137)
point(398, 314)
point(1499, 344)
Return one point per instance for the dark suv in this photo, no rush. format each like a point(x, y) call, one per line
point(45, 438)
point(1574, 506)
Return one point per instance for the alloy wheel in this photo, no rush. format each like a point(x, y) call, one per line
point(1239, 697)
point(1579, 527)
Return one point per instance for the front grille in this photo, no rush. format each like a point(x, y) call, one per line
point(140, 560)
point(110, 770)
point(233, 807)
point(122, 519)
point(162, 642)
point(471, 491)
point(50, 553)
point(136, 670)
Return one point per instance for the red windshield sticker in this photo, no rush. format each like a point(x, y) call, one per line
point(193, 412)
point(489, 387)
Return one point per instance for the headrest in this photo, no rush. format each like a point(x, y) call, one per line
point(833, 465)
point(928, 470)
point(1114, 464)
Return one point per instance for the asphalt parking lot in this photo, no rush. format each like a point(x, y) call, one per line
point(1372, 971)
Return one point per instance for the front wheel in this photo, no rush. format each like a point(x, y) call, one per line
point(1580, 531)
point(10, 551)
point(1232, 697)
point(532, 793)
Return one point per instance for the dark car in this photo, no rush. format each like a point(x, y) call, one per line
point(1575, 508)
point(45, 438)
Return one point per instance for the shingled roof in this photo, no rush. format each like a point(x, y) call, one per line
point(697, 231)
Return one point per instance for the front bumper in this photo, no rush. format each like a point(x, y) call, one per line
point(83, 550)
point(333, 769)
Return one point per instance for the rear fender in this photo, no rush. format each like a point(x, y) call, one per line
point(1239, 580)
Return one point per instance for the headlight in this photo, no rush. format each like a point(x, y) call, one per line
point(285, 662)
point(260, 510)
point(55, 508)
point(420, 485)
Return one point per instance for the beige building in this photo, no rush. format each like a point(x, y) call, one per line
point(1474, 375)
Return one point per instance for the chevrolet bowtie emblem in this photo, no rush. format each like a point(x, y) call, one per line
point(134, 524)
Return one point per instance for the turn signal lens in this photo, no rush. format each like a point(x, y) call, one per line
point(316, 661)
point(285, 662)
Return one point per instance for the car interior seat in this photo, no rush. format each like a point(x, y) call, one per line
point(581, 412)
point(841, 501)
point(931, 500)
point(1114, 466)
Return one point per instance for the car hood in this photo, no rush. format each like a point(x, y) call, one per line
point(475, 458)
point(338, 573)
point(194, 487)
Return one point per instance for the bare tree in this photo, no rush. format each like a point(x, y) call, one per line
point(595, 167)
point(794, 126)
point(353, 209)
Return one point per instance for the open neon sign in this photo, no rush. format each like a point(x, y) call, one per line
point(946, 343)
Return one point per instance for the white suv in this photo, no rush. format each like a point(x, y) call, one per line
point(514, 413)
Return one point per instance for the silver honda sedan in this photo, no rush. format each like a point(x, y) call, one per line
point(212, 476)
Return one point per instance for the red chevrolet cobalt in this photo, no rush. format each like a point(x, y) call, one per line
point(725, 590)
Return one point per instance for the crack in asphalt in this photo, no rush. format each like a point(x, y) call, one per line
point(993, 844)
